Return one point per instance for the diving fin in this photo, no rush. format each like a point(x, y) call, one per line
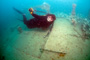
point(17, 10)
point(20, 20)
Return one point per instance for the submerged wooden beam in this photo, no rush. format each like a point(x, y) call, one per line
point(41, 50)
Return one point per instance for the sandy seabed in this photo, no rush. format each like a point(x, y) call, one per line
point(63, 43)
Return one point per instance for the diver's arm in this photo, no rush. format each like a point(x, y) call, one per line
point(49, 30)
point(35, 15)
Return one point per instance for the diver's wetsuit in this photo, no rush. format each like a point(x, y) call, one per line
point(37, 21)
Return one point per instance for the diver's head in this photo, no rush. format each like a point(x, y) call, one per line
point(50, 17)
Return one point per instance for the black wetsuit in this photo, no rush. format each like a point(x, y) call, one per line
point(37, 21)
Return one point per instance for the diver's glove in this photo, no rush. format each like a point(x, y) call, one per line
point(31, 10)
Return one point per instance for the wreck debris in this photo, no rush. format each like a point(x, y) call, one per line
point(73, 22)
point(84, 35)
point(73, 10)
point(19, 29)
point(60, 53)
point(77, 32)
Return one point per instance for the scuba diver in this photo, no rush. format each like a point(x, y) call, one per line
point(38, 21)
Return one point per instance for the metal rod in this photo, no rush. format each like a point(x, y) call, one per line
point(39, 11)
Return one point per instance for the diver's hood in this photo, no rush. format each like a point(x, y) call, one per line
point(54, 18)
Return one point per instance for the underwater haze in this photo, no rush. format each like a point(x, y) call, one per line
point(55, 6)
point(69, 38)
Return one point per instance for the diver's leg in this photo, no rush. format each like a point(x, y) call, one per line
point(24, 19)
point(17, 10)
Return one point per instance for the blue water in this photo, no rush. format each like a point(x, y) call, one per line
point(6, 11)
point(8, 17)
